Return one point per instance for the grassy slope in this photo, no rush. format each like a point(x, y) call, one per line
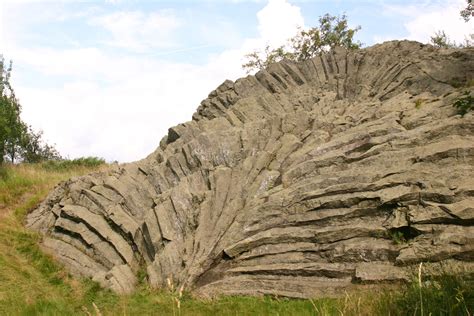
point(31, 283)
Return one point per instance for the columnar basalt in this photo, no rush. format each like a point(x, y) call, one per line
point(306, 178)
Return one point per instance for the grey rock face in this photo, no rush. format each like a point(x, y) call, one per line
point(306, 178)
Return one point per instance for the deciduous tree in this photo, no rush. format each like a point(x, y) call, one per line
point(333, 31)
point(18, 141)
point(468, 12)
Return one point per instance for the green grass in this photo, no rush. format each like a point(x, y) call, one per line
point(29, 279)
point(66, 164)
point(441, 294)
point(32, 283)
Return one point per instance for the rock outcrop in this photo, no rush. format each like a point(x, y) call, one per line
point(306, 178)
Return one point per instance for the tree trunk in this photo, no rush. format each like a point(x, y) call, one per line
point(2, 152)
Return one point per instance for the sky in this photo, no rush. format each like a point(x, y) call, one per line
point(108, 78)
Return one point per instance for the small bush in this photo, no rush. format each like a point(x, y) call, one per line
point(66, 164)
point(464, 104)
point(441, 40)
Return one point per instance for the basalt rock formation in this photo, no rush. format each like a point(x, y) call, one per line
point(306, 178)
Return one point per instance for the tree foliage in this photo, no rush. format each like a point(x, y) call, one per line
point(333, 31)
point(10, 123)
point(468, 12)
point(34, 149)
point(18, 141)
point(258, 60)
point(441, 40)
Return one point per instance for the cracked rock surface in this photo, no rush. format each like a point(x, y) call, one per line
point(305, 179)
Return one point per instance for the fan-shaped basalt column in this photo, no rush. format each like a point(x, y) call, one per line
point(291, 182)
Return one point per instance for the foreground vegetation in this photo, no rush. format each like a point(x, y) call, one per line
point(32, 283)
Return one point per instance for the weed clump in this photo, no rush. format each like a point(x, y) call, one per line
point(418, 103)
point(465, 103)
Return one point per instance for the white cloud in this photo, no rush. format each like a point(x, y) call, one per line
point(139, 31)
point(243, 1)
point(221, 33)
point(426, 18)
point(119, 106)
point(78, 62)
point(278, 21)
point(2, 22)
point(123, 119)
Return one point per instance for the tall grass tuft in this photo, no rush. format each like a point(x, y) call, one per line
point(445, 293)
point(4, 174)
